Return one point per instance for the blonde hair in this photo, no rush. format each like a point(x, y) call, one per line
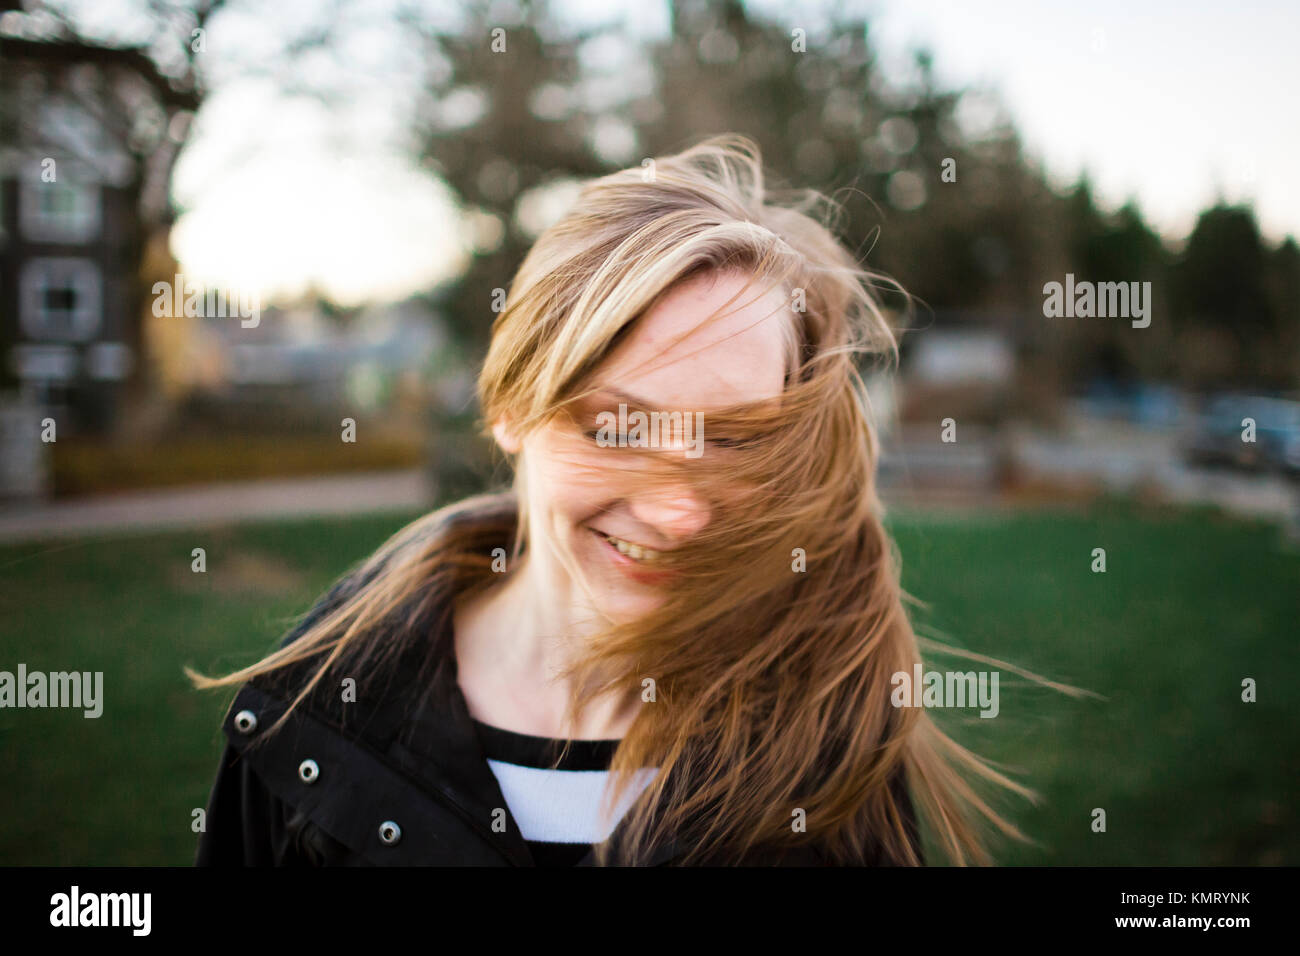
point(772, 684)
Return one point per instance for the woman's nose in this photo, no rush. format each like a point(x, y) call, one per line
point(675, 512)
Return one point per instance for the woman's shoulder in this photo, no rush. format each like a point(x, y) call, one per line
point(398, 640)
point(441, 537)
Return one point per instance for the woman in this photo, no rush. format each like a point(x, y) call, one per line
point(673, 640)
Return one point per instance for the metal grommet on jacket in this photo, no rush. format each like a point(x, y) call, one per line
point(308, 771)
point(389, 832)
point(246, 721)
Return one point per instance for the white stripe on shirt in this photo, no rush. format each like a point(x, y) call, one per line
point(564, 806)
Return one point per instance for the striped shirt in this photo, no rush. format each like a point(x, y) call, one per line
point(558, 805)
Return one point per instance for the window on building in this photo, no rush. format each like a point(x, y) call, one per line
point(59, 211)
point(60, 299)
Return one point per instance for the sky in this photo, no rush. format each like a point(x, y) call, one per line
point(1174, 103)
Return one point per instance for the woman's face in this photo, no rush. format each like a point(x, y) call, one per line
point(580, 501)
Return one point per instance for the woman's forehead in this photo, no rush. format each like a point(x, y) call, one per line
point(674, 357)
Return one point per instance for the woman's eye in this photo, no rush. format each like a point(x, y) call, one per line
point(613, 440)
point(622, 441)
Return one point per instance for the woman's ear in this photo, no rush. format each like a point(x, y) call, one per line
point(505, 436)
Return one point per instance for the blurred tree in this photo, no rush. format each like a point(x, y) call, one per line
point(1085, 224)
point(504, 115)
point(1284, 290)
point(1220, 287)
point(1118, 248)
point(547, 105)
point(935, 186)
point(970, 243)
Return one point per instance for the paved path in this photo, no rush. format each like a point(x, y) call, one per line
point(216, 503)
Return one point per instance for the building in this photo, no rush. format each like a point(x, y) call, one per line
point(67, 328)
point(69, 248)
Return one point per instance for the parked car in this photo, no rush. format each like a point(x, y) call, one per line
point(1140, 403)
point(1218, 434)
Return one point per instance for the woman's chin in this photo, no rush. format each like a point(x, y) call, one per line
point(622, 602)
point(620, 595)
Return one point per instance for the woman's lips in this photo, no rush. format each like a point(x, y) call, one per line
point(636, 570)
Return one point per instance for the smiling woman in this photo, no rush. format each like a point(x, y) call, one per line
point(713, 636)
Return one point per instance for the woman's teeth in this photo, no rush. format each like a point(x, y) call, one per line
point(633, 551)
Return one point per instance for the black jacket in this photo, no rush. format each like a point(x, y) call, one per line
point(396, 777)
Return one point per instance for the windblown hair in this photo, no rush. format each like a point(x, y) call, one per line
point(772, 653)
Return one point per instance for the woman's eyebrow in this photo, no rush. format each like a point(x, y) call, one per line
point(600, 400)
point(620, 395)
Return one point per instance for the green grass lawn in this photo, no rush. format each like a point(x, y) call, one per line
point(1190, 605)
